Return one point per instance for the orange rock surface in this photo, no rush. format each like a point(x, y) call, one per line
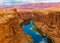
point(10, 31)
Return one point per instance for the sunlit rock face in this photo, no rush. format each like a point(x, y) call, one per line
point(47, 20)
point(10, 32)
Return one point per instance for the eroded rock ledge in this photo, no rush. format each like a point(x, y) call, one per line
point(10, 31)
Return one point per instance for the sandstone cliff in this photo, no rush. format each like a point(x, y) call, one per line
point(10, 31)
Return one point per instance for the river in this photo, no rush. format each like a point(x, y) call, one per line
point(36, 37)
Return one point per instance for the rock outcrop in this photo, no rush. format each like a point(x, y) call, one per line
point(10, 31)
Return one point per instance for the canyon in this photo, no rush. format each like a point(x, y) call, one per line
point(46, 20)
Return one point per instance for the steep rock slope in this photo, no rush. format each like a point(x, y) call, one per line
point(10, 31)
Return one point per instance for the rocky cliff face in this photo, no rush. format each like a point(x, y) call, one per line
point(10, 31)
point(48, 21)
